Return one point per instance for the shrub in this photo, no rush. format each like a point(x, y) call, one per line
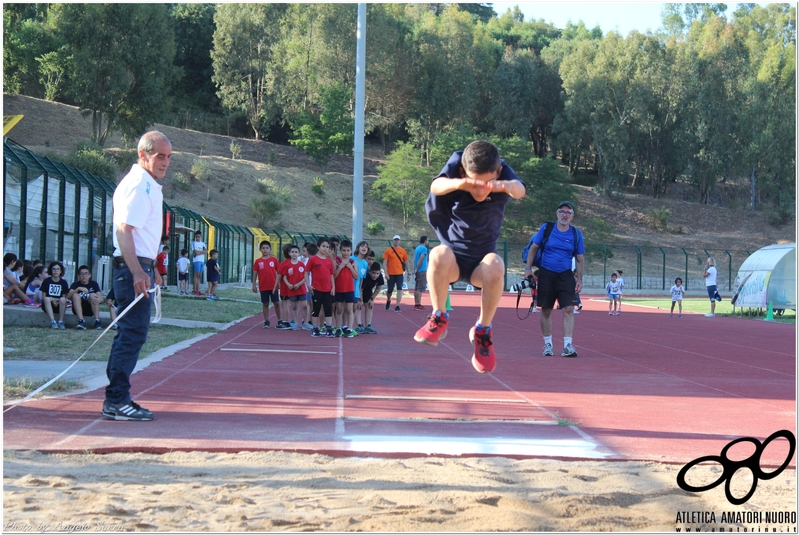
point(265, 209)
point(235, 150)
point(267, 186)
point(181, 181)
point(659, 218)
point(318, 186)
point(780, 215)
point(375, 227)
point(200, 170)
point(91, 158)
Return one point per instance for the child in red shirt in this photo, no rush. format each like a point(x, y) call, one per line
point(291, 275)
point(161, 265)
point(345, 273)
point(265, 280)
point(323, 287)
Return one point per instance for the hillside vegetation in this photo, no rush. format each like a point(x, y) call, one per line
point(53, 128)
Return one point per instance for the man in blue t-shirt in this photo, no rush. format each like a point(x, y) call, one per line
point(420, 268)
point(556, 280)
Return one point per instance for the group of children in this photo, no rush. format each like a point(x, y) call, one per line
point(614, 289)
point(47, 289)
point(326, 275)
point(199, 249)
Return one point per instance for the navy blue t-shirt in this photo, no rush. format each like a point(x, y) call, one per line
point(213, 275)
point(470, 228)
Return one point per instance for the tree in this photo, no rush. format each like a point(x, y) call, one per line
point(516, 89)
point(389, 89)
point(194, 38)
point(715, 59)
point(769, 119)
point(26, 37)
point(403, 184)
point(328, 130)
point(445, 74)
point(117, 73)
point(242, 54)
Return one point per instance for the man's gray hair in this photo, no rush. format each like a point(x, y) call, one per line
point(147, 141)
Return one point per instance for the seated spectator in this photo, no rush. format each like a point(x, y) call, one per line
point(13, 289)
point(86, 297)
point(54, 295)
point(33, 287)
point(111, 301)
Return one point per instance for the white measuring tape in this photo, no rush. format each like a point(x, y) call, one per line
point(155, 319)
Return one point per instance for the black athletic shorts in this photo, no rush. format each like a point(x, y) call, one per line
point(552, 285)
point(466, 267)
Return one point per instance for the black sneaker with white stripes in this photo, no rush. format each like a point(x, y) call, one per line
point(130, 411)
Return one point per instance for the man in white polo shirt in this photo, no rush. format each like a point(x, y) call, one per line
point(138, 202)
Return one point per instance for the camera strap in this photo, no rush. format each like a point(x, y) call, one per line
point(519, 298)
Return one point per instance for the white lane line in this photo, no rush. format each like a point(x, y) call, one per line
point(255, 350)
point(451, 421)
point(423, 398)
point(339, 429)
point(568, 448)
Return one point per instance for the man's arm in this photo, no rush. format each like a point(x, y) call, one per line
point(141, 281)
point(421, 261)
point(578, 273)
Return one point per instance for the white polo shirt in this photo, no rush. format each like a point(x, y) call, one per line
point(138, 202)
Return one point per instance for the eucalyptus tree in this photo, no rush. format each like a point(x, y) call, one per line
point(117, 73)
point(714, 60)
point(242, 58)
point(194, 38)
point(445, 74)
point(389, 88)
point(769, 112)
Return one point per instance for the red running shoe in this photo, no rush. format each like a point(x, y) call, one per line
point(484, 360)
point(434, 330)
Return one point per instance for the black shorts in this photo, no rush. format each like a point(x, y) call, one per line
point(552, 285)
point(267, 296)
point(86, 308)
point(395, 280)
point(344, 297)
point(466, 267)
point(322, 301)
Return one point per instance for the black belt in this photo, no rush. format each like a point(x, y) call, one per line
point(149, 262)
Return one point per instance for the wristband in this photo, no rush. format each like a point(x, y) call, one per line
point(528, 268)
point(579, 280)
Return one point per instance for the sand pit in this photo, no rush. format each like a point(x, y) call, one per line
point(279, 491)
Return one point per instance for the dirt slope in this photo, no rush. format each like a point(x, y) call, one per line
point(54, 127)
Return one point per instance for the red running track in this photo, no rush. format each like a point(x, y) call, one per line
point(645, 386)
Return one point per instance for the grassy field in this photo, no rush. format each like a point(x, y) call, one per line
point(19, 387)
point(234, 303)
point(703, 306)
point(31, 343)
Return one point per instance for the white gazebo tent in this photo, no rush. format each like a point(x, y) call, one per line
point(768, 276)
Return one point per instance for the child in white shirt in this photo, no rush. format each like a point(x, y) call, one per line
point(613, 288)
point(677, 292)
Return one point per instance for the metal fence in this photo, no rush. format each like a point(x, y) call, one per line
point(646, 267)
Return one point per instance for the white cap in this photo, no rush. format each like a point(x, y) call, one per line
point(396, 237)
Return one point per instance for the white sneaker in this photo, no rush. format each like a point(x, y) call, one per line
point(710, 315)
point(548, 350)
point(568, 351)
